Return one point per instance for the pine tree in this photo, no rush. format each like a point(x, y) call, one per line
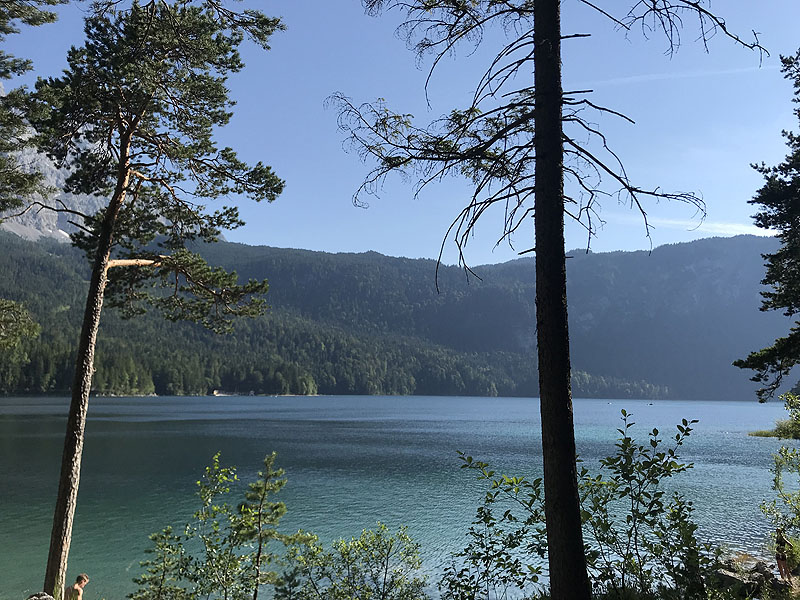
point(15, 324)
point(259, 518)
point(164, 570)
point(134, 118)
point(779, 202)
point(517, 142)
point(17, 181)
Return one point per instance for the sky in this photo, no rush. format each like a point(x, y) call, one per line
point(701, 119)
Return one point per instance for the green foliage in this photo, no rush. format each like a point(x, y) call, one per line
point(653, 544)
point(793, 553)
point(164, 570)
point(497, 560)
point(377, 565)
point(779, 211)
point(259, 518)
point(220, 569)
point(15, 325)
point(788, 429)
point(14, 13)
point(235, 552)
point(17, 181)
point(134, 118)
point(226, 551)
point(197, 285)
point(784, 509)
point(640, 540)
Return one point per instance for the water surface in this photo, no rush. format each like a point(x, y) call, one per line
point(351, 461)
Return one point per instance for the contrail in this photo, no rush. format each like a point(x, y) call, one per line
point(714, 227)
point(671, 76)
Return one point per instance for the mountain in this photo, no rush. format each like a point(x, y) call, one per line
point(662, 324)
point(677, 316)
point(40, 222)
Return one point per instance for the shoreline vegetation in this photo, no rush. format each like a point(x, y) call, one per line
point(785, 429)
point(741, 565)
point(779, 432)
point(396, 336)
point(652, 550)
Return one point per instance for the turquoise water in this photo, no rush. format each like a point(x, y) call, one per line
point(351, 461)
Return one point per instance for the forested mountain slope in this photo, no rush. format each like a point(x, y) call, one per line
point(666, 323)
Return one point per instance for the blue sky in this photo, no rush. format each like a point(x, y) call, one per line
point(701, 120)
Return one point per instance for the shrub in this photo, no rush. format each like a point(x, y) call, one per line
point(232, 546)
point(787, 429)
point(640, 541)
point(377, 565)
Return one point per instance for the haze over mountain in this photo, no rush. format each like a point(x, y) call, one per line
point(661, 324)
point(39, 221)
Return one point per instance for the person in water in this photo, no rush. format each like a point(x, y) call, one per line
point(76, 591)
point(780, 554)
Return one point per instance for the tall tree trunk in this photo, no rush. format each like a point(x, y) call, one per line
point(567, 562)
point(61, 535)
point(260, 533)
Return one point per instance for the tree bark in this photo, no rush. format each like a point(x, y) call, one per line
point(567, 562)
point(61, 535)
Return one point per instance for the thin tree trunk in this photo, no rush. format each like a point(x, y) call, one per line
point(61, 535)
point(260, 530)
point(568, 577)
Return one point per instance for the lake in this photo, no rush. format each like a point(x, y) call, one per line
point(350, 461)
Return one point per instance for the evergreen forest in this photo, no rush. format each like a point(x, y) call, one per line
point(664, 324)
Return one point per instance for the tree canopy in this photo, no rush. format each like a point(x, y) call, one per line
point(779, 204)
point(17, 180)
point(518, 141)
point(15, 324)
point(134, 119)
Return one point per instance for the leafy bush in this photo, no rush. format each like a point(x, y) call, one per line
point(787, 429)
point(165, 570)
point(790, 428)
point(640, 541)
point(784, 509)
point(641, 538)
point(377, 565)
point(793, 555)
point(229, 553)
point(498, 558)
point(232, 545)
